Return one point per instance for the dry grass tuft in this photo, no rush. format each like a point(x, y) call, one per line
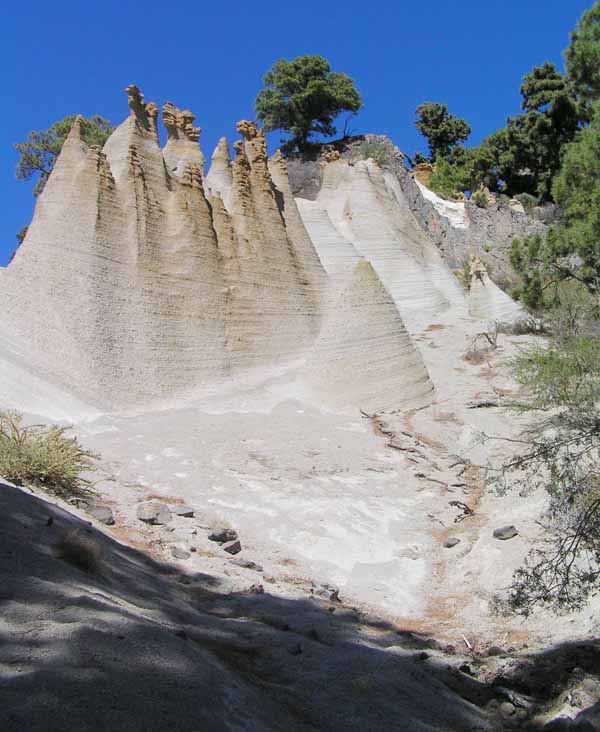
point(44, 456)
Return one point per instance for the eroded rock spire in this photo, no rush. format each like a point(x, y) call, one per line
point(145, 113)
point(182, 146)
point(179, 123)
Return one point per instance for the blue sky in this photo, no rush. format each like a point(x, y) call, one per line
point(76, 57)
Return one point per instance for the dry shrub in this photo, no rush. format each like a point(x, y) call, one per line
point(483, 345)
point(526, 325)
point(44, 456)
point(81, 551)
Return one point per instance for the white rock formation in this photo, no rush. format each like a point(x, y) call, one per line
point(130, 287)
point(182, 139)
point(139, 280)
point(487, 301)
point(454, 211)
point(220, 178)
point(364, 355)
point(372, 221)
point(338, 254)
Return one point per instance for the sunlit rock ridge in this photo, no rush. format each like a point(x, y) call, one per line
point(142, 279)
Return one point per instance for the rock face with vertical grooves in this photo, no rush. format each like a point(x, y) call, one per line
point(131, 285)
point(141, 280)
point(364, 355)
point(220, 178)
point(361, 213)
point(182, 139)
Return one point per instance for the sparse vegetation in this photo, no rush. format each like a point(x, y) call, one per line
point(482, 345)
point(528, 201)
point(377, 151)
point(465, 273)
point(481, 199)
point(43, 456)
point(40, 150)
point(559, 453)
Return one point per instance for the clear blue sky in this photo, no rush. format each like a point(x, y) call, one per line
point(67, 57)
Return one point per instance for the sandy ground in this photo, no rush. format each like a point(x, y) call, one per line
point(320, 496)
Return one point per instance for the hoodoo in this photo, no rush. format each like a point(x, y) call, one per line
point(131, 286)
point(487, 301)
point(142, 280)
point(364, 355)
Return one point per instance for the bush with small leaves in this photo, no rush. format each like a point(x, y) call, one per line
point(480, 199)
point(528, 201)
point(44, 456)
point(377, 151)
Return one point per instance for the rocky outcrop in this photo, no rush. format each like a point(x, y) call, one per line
point(220, 178)
point(140, 280)
point(364, 355)
point(487, 301)
point(361, 212)
point(131, 285)
point(460, 229)
point(182, 139)
point(456, 228)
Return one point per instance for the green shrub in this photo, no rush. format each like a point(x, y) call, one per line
point(528, 201)
point(43, 456)
point(466, 273)
point(449, 179)
point(481, 199)
point(377, 151)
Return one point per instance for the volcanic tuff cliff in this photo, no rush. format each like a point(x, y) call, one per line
point(213, 339)
point(140, 278)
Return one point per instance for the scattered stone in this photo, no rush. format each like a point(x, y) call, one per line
point(179, 553)
point(466, 669)
point(505, 532)
point(507, 709)
point(482, 403)
point(517, 700)
point(182, 510)
point(255, 590)
point(232, 547)
point(103, 514)
point(222, 535)
point(328, 591)
point(495, 651)
point(193, 549)
point(247, 564)
point(590, 684)
point(153, 512)
point(452, 541)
